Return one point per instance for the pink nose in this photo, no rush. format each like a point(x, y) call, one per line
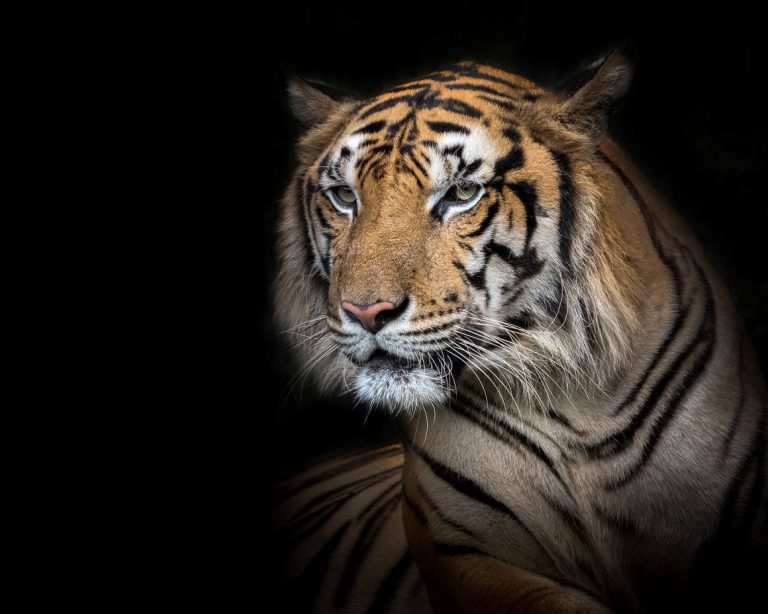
point(372, 317)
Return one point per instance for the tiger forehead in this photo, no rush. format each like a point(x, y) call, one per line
point(468, 91)
point(434, 128)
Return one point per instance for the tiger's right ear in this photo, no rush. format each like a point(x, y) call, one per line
point(587, 102)
point(312, 103)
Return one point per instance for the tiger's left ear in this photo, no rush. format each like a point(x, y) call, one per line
point(587, 108)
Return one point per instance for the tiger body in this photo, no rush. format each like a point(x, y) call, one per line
point(344, 538)
point(583, 421)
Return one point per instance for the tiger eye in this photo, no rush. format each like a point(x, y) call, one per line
point(466, 192)
point(346, 195)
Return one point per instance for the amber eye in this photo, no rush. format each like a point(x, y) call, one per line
point(464, 193)
point(344, 199)
point(457, 199)
point(346, 195)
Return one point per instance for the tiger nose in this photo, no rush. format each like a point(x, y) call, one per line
point(373, 317)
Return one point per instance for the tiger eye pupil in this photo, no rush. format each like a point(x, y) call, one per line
point(346, 195)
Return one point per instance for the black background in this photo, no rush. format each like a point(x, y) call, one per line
point(693, 120)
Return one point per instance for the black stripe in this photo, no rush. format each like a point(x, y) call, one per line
point(474, 87)
point(383, 105)
point(681, 313)
point(618, 442)
point(373, 502)
point(371, 128)
point(570, 520)
point(444, 127)
point(417, 512)
point(705, 334)
point(467, 486)
point(323, 221)
point(472, 167)
point(348, 490)
point(587, 559)
point(389, 586)
point(513, 134)
point(504, 432)
point(471, 70)
point(642, 205)
point(440, 77)
point(419, 87)
point(739, 405)
point(523, 320)
point(431, 329)
point(459, 107)
point(443, 549)
point(405, 167)
point(360, 459)
point(298, 532)
point(309, 250)
point(515, 295)
point(383, 149)
point(504, 104)
point(513, 159)
point(367, 165)
point(526, 265)
point(567, 211)
point(556, 307)
point(399, 127)
point(308, 585)
point(563, 420)
point(734, 512)
point(410, 155)
point(456, 151)
point(590, 326)
point(678, 395)
point(476, 280)
point(489, 216)
point(754, 501)
point(418, 164)
point(439, 512)
point(527, 195)
point(309, 193)
point(367, 537)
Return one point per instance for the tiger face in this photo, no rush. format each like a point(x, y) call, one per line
point(443, 222)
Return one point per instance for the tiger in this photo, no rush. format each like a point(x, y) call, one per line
point(581, 418)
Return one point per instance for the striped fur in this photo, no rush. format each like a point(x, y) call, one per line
point(345, 515)
point(584, 424)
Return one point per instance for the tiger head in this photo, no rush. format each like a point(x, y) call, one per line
point(453, 231)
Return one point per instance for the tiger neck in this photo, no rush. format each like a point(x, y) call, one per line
point(593, 407)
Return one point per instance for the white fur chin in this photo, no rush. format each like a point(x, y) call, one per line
point(398, 389)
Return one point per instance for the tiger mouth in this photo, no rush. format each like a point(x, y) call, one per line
point(403, 384)
point(384, 361)
point(381, 359)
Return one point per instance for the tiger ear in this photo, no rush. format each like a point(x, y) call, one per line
point(312, 103)
point(591, 96)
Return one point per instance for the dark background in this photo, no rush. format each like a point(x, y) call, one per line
point(693, 120)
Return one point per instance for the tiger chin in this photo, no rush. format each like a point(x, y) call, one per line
point(473, 246)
